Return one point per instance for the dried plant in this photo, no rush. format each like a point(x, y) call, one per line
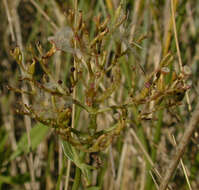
point(100, 77)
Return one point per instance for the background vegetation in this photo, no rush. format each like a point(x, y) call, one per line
point(149, 63)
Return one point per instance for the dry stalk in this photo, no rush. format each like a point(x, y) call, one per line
point(158, 175)
point(178, 49)
point(112, 162)
point(153, 178)
point(135, 18)
point(145, 152)
point(25, 100)
point(121, 164)
point(143, 176)
point(183, 167)
point(74, 96)
point(181, 148)
point(9, 20)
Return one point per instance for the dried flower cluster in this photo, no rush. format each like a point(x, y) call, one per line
point(104, 79)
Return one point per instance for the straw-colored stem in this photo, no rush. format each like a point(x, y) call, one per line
point(178, 48)
point(181, 148)
point(25, 100)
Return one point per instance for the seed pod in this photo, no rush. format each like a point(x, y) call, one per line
point(160, 82)
point(186, 71)
point(31, 68)
point(16, 53)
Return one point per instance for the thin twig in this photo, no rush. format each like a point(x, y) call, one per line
point(143, 176)
point(121, 164)
point(178, 49)
point(135, 19)
point(158, 175)
point(153, 178)
point(176, 35)
point(112, 161)
point(181, 148)
point(145, 152)
point(183, 167)
point(25, 100)
point(60, 163)
point(9, 20)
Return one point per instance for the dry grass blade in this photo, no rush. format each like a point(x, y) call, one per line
point(25, 100)
point(9, 20)
point(119, 175)
point(44, 14)
point(155, 182)
point(144, 152)
point(147, 156)
point(183, 167)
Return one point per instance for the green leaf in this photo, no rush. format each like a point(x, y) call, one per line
point(60, 178)
point(19, 179)
point(72, 154)
point(37, 134)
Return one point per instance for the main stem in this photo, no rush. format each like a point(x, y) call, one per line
point(74, 97)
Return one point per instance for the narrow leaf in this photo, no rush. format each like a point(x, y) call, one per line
point(37, 134)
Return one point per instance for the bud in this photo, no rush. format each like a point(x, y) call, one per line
point(16, 53)
point(186, 70)
point(31, 68)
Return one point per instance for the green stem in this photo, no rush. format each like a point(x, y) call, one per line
point(102, 172)
point(77, 179)
point(60, 178)
point(149, 182)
